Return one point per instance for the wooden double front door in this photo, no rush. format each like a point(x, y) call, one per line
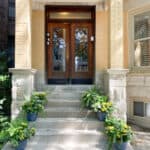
point(70, 53)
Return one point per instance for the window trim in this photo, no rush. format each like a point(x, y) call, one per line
point(131, 14)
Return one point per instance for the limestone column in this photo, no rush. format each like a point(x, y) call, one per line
point(22, 74)
point(117, 73)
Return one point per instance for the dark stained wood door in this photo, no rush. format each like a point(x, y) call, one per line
point(82, 53)
point(70, 53)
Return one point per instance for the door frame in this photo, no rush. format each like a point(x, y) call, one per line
point(54, 8)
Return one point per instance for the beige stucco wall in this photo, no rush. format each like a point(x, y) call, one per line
point(38, 50)
point(102, 43)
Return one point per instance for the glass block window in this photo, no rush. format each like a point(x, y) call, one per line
point(142, 39)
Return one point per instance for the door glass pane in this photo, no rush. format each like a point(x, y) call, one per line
point(81, 50)
point(59, 50)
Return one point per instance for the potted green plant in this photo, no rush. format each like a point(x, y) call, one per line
point(32, 108)
point(18, 132)
point(118, 132)
point(91, 96)
point(40, 97)
point(102, 108)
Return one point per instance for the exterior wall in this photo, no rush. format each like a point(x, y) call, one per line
point(138, 85)
point(38, 48)
point(102, 45)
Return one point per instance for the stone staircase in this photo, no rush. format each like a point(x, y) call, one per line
point(64, 125)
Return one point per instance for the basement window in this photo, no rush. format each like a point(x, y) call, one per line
point(141, 109)
point(138, 109)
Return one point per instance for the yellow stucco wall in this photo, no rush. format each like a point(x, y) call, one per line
point(38, 50)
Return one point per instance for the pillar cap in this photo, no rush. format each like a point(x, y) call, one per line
point(22, 71)
point(117, 71)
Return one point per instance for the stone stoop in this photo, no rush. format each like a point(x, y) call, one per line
point(64, 125)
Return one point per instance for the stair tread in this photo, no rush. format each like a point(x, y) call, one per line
point(68, 120)
point(67, 132)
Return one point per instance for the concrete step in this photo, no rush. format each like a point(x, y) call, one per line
point(75, 88)
point(67, 147)
point(67, 112)
point(69, 123)
point(62, 95)
point(67, 137)
point(64, 103)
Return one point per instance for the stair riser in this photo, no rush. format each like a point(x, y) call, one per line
point(68, 88)
point(71, 126)
point(64, 96)
point(63, 104)
point(47, 114)
point(76, 139)
point(67, 147)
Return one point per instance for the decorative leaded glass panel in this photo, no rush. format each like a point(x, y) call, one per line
point(59, 50)
point(81, 50)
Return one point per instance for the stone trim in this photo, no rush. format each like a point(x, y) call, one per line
point(22, 71)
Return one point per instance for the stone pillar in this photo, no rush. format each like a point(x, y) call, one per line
point(23, 34)
point(22, 87)
point(117, 73)
point(116, 34)
point(22, 74)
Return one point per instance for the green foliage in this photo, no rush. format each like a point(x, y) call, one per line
point(117, 130)
point(4, 124)
point(103, 106)
point(40, 97)
point(32, 106)
point(19, 130)
point(5, 81)
point(92, 96)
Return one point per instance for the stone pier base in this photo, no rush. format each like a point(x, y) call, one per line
point(117, 91)
point(22, 87)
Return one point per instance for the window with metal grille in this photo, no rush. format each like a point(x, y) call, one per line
point(142, 39)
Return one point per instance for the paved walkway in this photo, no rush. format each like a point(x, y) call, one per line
point(141, 139)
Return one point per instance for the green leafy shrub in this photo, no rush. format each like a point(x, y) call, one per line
point(117, 131)
point(92, 96)
point(103, 106)
point(40, 97)
point(19, 130)
point(32, 106)
point(4, 124)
